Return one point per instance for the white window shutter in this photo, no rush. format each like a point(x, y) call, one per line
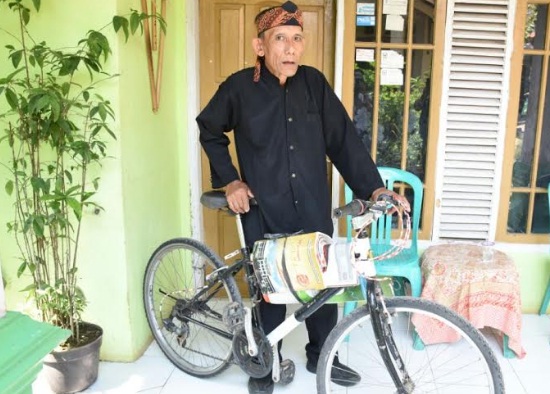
point(473, 118)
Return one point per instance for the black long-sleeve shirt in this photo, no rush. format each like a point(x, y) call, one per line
point(283, 135)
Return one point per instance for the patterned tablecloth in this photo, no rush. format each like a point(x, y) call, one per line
point(485, 293)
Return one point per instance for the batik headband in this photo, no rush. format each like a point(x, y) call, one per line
point(286, 15)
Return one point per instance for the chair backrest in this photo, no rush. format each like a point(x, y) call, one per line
point(393, 178)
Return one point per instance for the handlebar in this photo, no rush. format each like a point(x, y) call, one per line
point(358, 207)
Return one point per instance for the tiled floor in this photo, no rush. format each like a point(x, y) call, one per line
point(154, 374)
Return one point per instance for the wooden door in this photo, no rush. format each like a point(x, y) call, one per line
point(226, 31)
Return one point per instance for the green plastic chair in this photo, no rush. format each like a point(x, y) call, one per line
point(407, 263)
point(546, 299)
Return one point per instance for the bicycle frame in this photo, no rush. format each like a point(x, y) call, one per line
point(203, 323)
point(383, 335)
point(371, 290)
point(373, 295)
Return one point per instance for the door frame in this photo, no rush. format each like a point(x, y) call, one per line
point(193, 107)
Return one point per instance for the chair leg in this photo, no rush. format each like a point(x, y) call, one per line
point(417, 342)
point(349, 306)
point(416, 287)
point(508, 353)
point(546, 300)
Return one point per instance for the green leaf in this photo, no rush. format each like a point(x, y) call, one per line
point(102, 112)
point(40, 104)
point(69, 65)
point(38, 226)
point(16, 57)
point(72, 190)
point(30, 287)
point(92, 64)
point(56, 109)
point(120, 22)
point(9, 187)
point(25, 13)
point(36, 4)
point(65, 88)
point(21, 269)
point(11, 97)
point(39, 184)
point(76, 206)
point(69, 176)
point(98, 45)
point(10, 76)
point(135, 21)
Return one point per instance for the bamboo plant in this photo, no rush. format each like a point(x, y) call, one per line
point(57, 126)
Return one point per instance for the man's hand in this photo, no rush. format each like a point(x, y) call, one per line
point(397, 197)
point(238, 195)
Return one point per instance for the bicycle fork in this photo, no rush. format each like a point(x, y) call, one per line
point(381, 325)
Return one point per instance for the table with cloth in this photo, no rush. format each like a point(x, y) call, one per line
point(487, 293)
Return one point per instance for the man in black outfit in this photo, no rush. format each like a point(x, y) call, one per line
point(286, 119)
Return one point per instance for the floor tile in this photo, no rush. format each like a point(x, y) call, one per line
point(154, 374)
point(537, 348)
point(534, 382)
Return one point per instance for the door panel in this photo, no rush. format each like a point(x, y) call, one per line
point(226, 31)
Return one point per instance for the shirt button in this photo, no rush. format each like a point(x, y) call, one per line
point(290, 119)
point(291, 147)
point(293, 175)
point(296, 202)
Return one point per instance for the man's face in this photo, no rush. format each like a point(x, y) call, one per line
point(282, 47)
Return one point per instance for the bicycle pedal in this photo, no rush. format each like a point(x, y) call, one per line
point(233, 316)
point(287, 372)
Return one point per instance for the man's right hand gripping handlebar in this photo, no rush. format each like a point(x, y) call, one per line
point(238, 196)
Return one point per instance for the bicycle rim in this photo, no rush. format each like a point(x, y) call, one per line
point(190, 338)
point(465, 366)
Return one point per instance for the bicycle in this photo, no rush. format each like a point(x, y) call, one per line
point(203, 325)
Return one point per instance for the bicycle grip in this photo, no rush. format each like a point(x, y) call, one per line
point(353, 208)
point(387, 198)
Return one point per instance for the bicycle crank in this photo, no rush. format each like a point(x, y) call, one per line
point(255, 366)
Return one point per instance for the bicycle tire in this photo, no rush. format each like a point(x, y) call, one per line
point(459, 367)
point(172, 277)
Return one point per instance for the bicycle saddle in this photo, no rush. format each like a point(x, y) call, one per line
point(215, 199)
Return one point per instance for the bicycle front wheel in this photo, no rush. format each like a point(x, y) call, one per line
point(467, 365)
point(191, 333)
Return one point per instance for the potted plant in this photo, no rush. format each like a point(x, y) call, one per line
point(57, 127)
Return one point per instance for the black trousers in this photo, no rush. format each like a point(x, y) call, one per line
point(318, 325)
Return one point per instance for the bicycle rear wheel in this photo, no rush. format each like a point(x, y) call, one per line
point(465, 366)
point(191, 334)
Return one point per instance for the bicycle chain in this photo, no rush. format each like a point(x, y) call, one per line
point(204, 354)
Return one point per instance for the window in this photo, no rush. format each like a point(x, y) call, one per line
point(524, 203)
point(388, 66)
